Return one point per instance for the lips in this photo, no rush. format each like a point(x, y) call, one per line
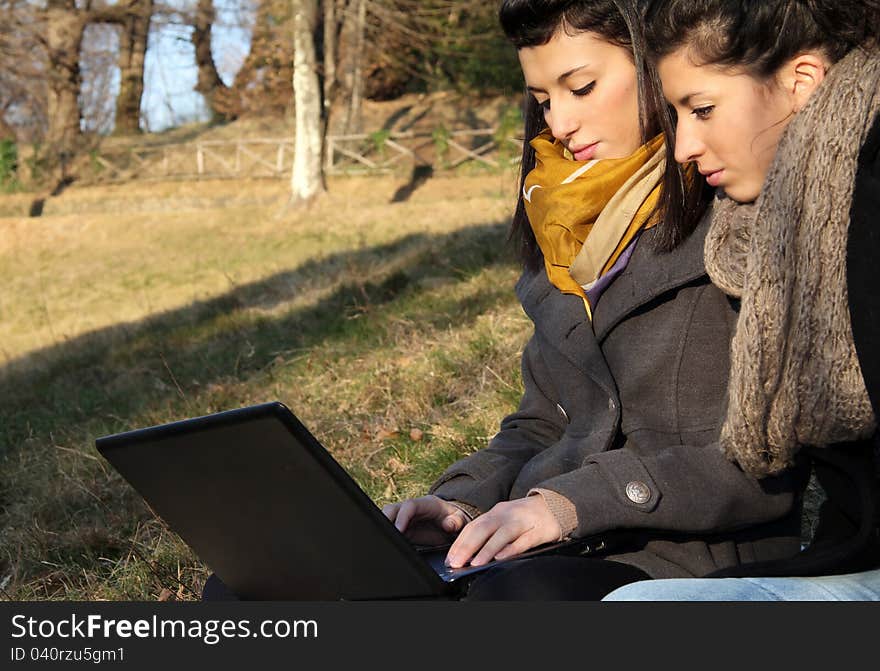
point(584, 153)
point(713, 177)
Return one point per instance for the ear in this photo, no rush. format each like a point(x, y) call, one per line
point(801, 76)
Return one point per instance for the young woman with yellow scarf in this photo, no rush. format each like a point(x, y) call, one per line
point(616, 435)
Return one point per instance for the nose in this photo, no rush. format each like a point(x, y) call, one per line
point(561, 119)
point(688, 145)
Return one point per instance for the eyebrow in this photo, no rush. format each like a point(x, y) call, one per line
point(687, 99)
point(561, 78)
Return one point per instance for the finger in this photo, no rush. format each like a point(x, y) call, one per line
point(454, 522)
point(404, 515)
point(390, 510)
point(503, 537)
point(522, 544)
point(422, 508)
point(472, 537)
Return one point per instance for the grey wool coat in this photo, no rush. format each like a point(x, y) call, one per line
point(622, 417)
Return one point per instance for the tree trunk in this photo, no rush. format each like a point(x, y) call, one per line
point(307, 180)
point(353, 118)
point(329, 55)
point(134, 34)
point(64, 34)
point(340, 61)
point(209, 81)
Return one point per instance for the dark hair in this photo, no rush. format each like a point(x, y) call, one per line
point(759, 35)
point(531, 23)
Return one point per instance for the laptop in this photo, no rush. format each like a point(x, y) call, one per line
point(268, 509)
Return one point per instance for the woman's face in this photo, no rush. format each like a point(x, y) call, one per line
point(729, 123)
point(588, 91)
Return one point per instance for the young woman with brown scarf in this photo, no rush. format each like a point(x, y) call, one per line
point(777, 104)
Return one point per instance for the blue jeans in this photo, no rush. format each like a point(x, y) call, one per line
point(863, 586)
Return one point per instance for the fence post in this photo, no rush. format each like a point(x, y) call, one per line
point(200, 159)
point(328, 154)
point(279, 162)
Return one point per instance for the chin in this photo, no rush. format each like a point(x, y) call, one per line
point(622, 150)
point(610, 154)
point(742, 193)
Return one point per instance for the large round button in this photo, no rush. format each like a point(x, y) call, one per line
point(638, 492)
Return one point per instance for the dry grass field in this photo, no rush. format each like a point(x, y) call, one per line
point(390, 328)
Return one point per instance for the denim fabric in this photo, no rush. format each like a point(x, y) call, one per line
point(863, 586)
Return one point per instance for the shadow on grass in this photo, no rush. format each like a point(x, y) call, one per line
point(37, 206)
point(57, 507)
point(107, 379)
point(420, 175)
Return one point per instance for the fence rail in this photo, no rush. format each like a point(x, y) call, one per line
point(204, 159)
point(385, 152)
point(365, 153)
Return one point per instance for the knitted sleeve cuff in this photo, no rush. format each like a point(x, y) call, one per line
point(563, 510)
point(468, 510)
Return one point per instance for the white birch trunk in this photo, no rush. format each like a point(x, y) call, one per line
point(307, 180)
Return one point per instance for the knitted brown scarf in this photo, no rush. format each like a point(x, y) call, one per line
point(795, 379)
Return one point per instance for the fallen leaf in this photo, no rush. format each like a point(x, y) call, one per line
point(386, 433)
point(397, 466)
point(416, 434)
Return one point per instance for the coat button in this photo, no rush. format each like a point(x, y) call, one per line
point(562, 413)
point(638, 492)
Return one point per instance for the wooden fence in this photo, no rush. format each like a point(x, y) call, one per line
point(199, 160)
point(442, 150)
point(366, 153)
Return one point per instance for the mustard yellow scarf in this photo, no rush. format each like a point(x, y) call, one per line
point(608, 201)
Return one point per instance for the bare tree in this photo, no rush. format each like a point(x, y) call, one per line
point(64, 33)
point(23, 87)
point(330, 31)
point(262, 84)
point(209, 83)
point(307, 179)
point(134, 34)
point(357, 38)
point(364, 49)
point(66, 21)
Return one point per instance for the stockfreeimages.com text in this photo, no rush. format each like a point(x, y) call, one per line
point(209, 632)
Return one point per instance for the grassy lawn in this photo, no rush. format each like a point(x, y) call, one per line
point(390, 329)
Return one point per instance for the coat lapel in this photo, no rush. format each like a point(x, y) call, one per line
point(562, 320)
point(648, 275)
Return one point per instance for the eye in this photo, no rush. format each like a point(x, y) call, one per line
point(544, 105)
point(586, 90)
point(703, 113)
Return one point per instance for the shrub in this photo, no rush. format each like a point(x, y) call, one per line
point(8, 165)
